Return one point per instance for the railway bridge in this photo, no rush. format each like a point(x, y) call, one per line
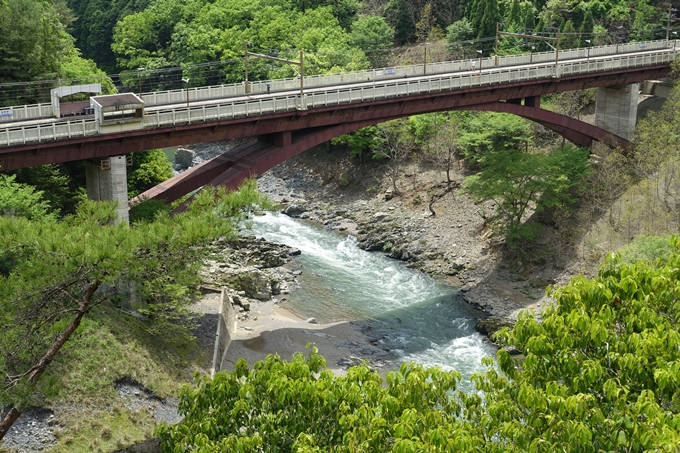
point(288, 120)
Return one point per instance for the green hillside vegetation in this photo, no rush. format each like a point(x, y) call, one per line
point(599, 373)
point(54, 273)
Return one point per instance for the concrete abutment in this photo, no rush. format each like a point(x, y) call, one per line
point(107, 181)
point(616, 109)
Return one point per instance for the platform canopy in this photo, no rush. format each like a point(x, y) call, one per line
point(117, 109)
point(56, 94)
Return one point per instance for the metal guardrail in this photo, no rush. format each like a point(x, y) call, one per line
point(26, 112)
point(225, 109)
point(36, 111)
point(397, 72)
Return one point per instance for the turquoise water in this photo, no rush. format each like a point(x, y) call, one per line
point(409, 313)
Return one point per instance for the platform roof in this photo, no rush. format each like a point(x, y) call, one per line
point(93, 88)
point(125, 101)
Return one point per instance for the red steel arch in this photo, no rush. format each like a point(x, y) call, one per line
point(254, 158)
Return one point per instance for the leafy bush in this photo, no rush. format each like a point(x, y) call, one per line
point(647, 248)
point(146, 210)
point(600, 373)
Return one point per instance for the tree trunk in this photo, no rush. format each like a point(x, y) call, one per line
point(38, 370)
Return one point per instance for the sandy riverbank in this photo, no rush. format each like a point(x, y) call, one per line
point(272, 329)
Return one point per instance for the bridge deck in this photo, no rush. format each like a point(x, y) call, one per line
point(19, 138)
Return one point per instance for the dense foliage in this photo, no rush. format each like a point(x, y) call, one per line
point(519, 182)
point(169, 33)
point(600, 373)
point(56, 271)
point(36, 46)
point(21, 200)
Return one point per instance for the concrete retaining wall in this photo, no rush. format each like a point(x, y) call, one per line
point(226, 324)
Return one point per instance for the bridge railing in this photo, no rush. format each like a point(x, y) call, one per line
point(26, 112)
point(48, 132)
point(397, 72)
point(225, 109)
point(377, 75)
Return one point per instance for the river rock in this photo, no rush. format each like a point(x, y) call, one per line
point(275, 287)
point(379, 216)
point(184, 158)
point(241, 302)
point(294, 210)
point(491, 325)
point(253, 282)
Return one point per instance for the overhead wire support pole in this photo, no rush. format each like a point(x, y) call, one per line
point(557, 49)
point(245, 45)
point(496, 45)
point(425, 60)
point(302, 75)
point(300, 63)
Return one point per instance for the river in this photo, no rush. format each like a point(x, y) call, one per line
point(414, 316)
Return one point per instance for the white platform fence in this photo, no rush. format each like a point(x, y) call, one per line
point(442, 77)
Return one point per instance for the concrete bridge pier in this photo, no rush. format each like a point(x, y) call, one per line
point(107, 181)
point(616, 109)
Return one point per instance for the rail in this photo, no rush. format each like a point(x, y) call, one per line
point(226, 109)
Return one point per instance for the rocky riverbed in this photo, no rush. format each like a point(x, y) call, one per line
point(453, 245)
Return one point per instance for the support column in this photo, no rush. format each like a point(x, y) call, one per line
point(107, 181)
point(616, 109)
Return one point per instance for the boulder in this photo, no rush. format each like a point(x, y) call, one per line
point(276, 287)
point(491, 325)
point(294, 210)
point(184, 157)
point(253, 282)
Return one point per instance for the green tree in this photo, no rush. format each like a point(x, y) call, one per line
point(513, 16)
point(22, 200)
point(444, 149)
point(426, 23)
point(400, 18)
point(482, 133)
point(569, 39)
point(600, 372)
point(57, 268)
point(460, 30)
point(149, 168)
point(216, 31)
point(300, 406)
point(396, 144)
point(93, 28)
point(587, 28)
point(61, 188)
point(372, 34)
point(343, 10)
point(485, 16)
point(517, 181)
point(360, 141)
point(34, 40)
